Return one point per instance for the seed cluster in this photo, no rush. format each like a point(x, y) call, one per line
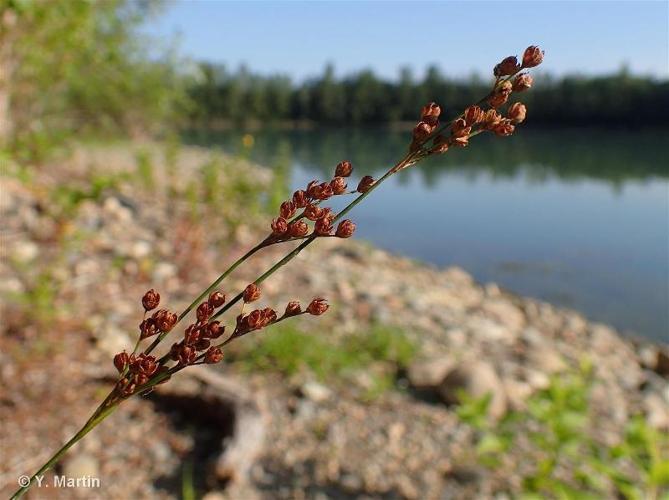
point(304, 217)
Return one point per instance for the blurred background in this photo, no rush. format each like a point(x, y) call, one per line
point(143, 143)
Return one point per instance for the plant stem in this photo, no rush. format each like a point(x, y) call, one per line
point(98, 416)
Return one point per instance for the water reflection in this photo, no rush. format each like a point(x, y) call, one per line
point(578, 218)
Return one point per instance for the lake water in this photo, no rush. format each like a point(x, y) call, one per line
point(578, 218)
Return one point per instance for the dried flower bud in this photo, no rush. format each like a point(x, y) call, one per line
point(338, 185)
point(202, 344)
point(532, 57)
point(522, 82)
point(440, 145)
point(517, 112)
point(213, 355)
point(365, 184)
point(150, 300)
point(323, 226)
point(422, 131)
point(121, 360)
point(430, 113)
point(496, 100)
point(508, 66)
point(186, 355)
point(343, 169)
point(460, 142)
point(324, 191)
point(254, 320)
point(146, 365)
point(192, 334)
point(279, 226)
point(251, 293)
point(313, 212)
point(204, 311)
point(147, 328)
point(297, 229)
point(216, 299)
point(126, 387)
point(287, 209)
point(491, 119)
point(164, 320)
point(345, 229)
point(269, 316)
point(473, 115)
point(313, 189)
point(504, 128)
point(174, 351)
point(293, 308)
point(215, 330)
point(317, 306)
point(460, 128)
point(300, 199)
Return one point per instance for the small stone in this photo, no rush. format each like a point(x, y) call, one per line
point(25, 251)
point(477, 379)
point(662, 363)
point(316, 392)
point(428, 374)
point(657, 411)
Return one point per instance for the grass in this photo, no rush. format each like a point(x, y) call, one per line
point(561, 458)
point(287, 350)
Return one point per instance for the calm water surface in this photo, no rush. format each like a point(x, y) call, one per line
point(577, 218)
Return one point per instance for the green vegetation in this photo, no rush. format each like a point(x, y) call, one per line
point(561, 457)
point(222, 96)
point(287, 350)
point(81, 67)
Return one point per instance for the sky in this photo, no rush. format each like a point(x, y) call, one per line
point(299, 38)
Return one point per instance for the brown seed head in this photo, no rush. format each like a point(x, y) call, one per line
point(192, 334)
point(317, 306)
point(174, 351)
point(323, 226)
point(430, 113)
point(491, 119)
point(164, 320)
point(251, 293)
point(473, 115)
point(287, 209)
point(215, 330)
point(460, 128)
point(508, 66)
point(202, 344)
point(496, 100)
point(213, 355)
point(269, 316)
point(343, 169)
point(365, 184)
point(345, 229)
point(522, 82)
point(254, 320)
point(517, 112)
point(313, 190)
point(460, 142)
point(338, 185)
point(147, 328)
point(279, 226)
point(440, 145)
point(504, 128)
point(186, 355)
point(150, 300)
point(422, 131)
point(204, 311)
point(300, 199)
point(324, 191)
point(293, 308)
point(146, 365)
point(297, 229)
point(121, 360)
point(532, 57)
point(313, 212)
point(216, 299)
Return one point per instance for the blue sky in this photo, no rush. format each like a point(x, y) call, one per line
point(299, 38)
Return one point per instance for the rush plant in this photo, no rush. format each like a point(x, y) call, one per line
point(304, 219)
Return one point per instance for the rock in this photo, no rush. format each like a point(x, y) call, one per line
point(476, 379)
point(429, 374)
point(25, 251)
point(662, 363)
point(316, 392)
point(546, 359)
point(113, 340)
point(657, 411)
point(505, 313)
point(81, 466)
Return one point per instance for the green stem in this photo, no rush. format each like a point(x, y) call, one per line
point(98, 416)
